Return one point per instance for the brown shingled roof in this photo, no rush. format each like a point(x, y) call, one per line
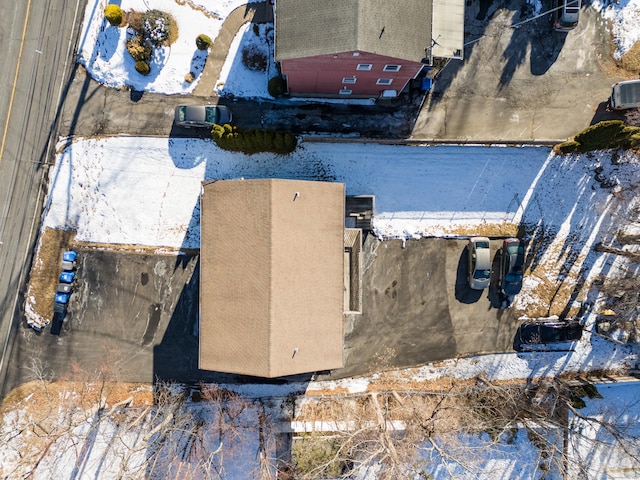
point(271, 276)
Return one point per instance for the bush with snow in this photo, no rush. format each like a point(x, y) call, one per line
point(160, 28)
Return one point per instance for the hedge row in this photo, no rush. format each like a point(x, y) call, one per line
point(233, 138)
point(602, 135)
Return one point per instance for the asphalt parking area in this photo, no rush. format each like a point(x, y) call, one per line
point(136, 315)
point(418, 307)
point(120, 309)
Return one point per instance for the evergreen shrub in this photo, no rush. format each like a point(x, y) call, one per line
point(203, 42)
point(251, 141)
point(277, 87)
point(143, 67)
point(113, 14)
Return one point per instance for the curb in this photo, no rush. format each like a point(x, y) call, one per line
point(430, 141)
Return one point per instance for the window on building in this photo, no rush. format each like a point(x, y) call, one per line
point(391, 68)
point(364, 66)
point(349, 80)
point(345, 92)
point(384, 81)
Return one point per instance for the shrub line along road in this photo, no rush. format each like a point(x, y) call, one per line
point(544, 86)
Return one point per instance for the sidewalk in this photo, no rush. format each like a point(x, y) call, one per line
point(261, 12)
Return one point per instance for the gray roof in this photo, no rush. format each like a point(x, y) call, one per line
point(399, 29)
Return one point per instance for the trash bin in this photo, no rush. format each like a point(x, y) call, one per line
point(427, 83)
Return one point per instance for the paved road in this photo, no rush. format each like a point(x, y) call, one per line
point(39, 50)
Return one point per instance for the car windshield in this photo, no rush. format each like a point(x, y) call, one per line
point(482, 274)
point(482, 244)
point(211, 115)
point(182, 111)
point(513, 278)
point(514, 248)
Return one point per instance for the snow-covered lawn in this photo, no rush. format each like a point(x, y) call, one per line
point(145, 191)
point(624, 16)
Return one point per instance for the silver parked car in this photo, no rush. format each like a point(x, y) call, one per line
point(204, 116)
point(479, 253)
point(625, 95)
point(566, 15)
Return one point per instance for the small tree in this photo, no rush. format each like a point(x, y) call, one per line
point(277, 86)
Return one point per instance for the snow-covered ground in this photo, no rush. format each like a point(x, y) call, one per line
point(145, 191)
point(624, 16)
point(103, 52)
point(593, 445)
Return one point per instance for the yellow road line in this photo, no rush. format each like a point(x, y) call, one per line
point(15, 79)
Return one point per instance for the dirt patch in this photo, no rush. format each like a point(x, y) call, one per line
point(628, 66)
point(505, 229)
point(46, 269)
point(630, 61)
point(41, 397)
point(114, 247)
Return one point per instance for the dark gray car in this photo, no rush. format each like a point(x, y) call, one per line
point(532, 334)
point(202, 116)
point(511, 267)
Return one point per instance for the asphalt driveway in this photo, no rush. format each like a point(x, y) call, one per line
point(520, 80)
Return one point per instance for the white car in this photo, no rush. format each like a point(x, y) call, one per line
point(625, 95)
point(479, 253)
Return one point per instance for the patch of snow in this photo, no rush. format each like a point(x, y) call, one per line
point(624, 16)
point(238, 80)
